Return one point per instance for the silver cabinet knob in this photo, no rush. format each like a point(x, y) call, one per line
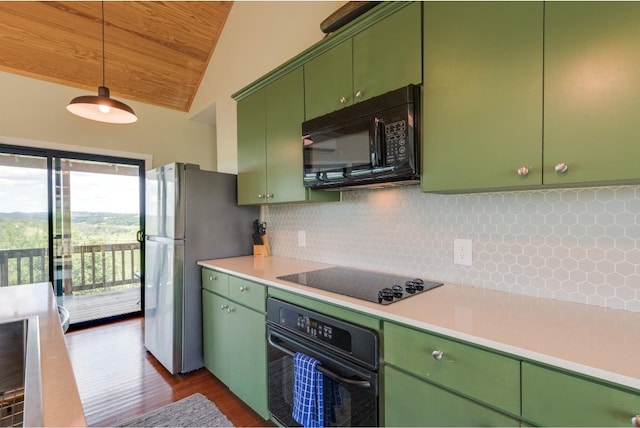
point(635, 421)
point(523, 171)
point(260, 196)
point(223, 307)
point(244, 289)
point(229, 310)
point(210, 278)
point(269, 195)
point(343, 100)
point(437, 354)
point(359, 94)
point(561, 167)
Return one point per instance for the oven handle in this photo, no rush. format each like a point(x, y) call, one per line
point(332, 375)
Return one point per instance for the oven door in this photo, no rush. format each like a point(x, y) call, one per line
point(350, 391)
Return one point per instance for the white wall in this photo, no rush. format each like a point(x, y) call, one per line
point(35, 110)
point(258, 37)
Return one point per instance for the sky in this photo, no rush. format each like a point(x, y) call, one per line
point(25, 190)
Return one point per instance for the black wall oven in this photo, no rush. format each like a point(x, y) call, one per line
point(348, 356)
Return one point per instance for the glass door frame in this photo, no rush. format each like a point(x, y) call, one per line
point(50, 155)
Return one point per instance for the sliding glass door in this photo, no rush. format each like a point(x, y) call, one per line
point(24, 219)
point(89, 227)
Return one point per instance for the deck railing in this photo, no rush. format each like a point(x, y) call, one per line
point(91, 266)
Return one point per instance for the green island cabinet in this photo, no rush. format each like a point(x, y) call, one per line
point(551, 397)
point(530, 95)
point(270, 145)
point(383, 57)
point(234, 330)
point(430, 380)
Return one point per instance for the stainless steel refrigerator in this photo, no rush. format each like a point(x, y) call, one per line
point(191, 215)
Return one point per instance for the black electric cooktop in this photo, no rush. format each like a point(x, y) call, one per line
point(366, 285)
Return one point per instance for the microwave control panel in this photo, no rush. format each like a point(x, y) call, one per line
point(396, 142)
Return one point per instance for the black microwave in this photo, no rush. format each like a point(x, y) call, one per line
point(371, 143)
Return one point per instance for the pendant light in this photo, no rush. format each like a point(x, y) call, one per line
point(101, 107)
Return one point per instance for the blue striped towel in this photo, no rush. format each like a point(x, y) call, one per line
point(308, 398)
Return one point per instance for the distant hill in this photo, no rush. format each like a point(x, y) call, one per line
point(81, 217)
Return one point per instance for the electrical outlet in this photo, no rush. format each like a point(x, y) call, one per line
point(462, 253)
point(302, 238)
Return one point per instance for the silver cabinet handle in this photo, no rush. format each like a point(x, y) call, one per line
point(437, 354)
point(343, 100)
point(244, 289)
point(359, 94)
point(635, 421)
point(561, 167)
point(523, 171)
point(223, 307)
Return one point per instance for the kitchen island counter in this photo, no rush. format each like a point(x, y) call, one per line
point(60, 397)
point(591, 340)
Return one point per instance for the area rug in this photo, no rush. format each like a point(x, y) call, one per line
point(194, 411)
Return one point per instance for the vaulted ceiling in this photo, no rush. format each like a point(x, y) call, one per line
point(155, 52)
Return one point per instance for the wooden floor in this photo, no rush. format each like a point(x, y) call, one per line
point(102, 305)
point(118, 379)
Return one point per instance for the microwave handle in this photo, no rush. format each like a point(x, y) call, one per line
point(378, 135)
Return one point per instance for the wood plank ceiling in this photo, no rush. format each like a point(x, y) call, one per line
point(155, 52)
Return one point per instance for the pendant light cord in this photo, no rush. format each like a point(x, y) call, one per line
point(103, 62)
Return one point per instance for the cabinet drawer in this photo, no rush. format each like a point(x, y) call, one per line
point(247, 293)
point(215, 281)
point(410, 401)
point(489, 377)
point(553, 398)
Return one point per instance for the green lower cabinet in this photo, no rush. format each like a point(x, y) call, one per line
point(552, 398)
point(409, 401)
point(248, 358)
point(214, 335)
point(484, 375)
point(235, 349)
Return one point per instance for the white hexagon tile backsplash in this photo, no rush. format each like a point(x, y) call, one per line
point(578, 245)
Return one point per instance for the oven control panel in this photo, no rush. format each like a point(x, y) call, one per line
point(358, 343)
point(315, 328)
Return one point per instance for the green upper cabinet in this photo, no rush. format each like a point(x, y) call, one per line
point(270, 144)
point(513, 100)
point(482, 117)
point(252, 154)
point(592, 91)
point(383, 57)
point(387, 55)
point(328, 83)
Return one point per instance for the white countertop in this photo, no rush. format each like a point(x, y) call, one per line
point(592, 340)
point(61, 401)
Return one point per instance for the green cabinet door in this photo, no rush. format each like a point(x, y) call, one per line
point(215, 335)
point(252, 165)
point(409, 401)
point(285, 114)
point(328, 81)
point(552, 398)
point(248, 358)
point(482, 117)
point(592, 91)
point(387, 55)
